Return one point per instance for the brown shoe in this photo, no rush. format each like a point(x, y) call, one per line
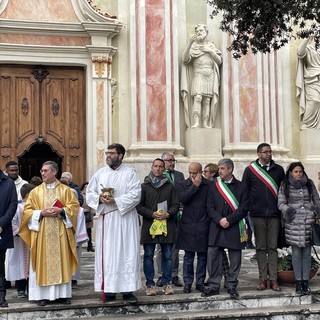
point(274, 285)
point(262, 285)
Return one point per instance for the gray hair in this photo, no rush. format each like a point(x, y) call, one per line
point(227, 161)
point(67, 175)
point(166, 154)
point(52, 164)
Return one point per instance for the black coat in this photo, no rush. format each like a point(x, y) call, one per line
point(195, 221)
point(219, 208)
point(8, 207)
point(150, 197)
point(262, 202)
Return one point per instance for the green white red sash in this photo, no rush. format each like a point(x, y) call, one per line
point(263, 176)
point(167, 174)
point(232, 201)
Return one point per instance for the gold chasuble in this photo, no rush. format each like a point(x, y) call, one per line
point(53, 247)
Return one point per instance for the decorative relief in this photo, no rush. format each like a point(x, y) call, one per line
point(55, 107)
point(113, 91)
point(40, 73)
point(99, 64)
point(25, 106)
point(98, 10)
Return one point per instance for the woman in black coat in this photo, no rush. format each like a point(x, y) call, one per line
point(8, 207)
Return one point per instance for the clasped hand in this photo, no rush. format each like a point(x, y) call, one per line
point(107, 200)
point(160, 215)
point(53, 212)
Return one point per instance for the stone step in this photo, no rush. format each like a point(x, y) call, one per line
point(252, 304)
point(178, 306)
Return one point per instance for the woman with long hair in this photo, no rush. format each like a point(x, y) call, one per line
point(299, 203)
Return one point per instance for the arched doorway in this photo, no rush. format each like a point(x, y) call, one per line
point(31, 162)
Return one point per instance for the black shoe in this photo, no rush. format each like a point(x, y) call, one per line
point(176, 282)
point(130, 298)
point(3, 303)
point(299, 289)
point(210, 292)
point(64, 300)
point(159, 282)
point(42, 303)
point(200, 287)
point(90, 249)
point(74, 283)
point(233, 293)
point(108, 297)
point(305, 287)
point(187, 288)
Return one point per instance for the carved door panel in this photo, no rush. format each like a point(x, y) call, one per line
point(44, 105)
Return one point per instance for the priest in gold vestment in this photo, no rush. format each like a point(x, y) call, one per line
point(48, 228)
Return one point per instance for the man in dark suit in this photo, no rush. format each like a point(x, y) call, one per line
point(8, 206)
point(194, 226)
point(174, 177)
point(227, 205)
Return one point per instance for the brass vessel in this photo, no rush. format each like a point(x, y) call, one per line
point(107, 192)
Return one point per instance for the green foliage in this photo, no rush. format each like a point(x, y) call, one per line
point(257, 25)
point(285, 263)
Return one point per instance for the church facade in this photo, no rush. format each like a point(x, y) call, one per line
point(77, 75)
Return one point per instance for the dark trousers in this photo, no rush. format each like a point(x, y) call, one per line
point(3, 290)
point(188, 267)
point(266, 231)
point(89, 232)
point(215, 267)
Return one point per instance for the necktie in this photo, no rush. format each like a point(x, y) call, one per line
point(265, 168)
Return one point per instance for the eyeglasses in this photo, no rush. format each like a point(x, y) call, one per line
point(44, 170)
point(107, 153)
point(266, 152)
point(170, 160)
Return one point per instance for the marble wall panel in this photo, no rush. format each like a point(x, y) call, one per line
point(40, 10)
point(44, 40)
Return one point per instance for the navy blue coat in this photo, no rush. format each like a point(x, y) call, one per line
point(8, 207)
point(219, 208)
point(195, 221)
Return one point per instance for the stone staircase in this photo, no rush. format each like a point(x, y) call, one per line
point(252, 304)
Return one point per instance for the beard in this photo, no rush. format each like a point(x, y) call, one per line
point(113, 163)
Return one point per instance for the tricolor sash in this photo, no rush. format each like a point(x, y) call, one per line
point(263, 175)
point(167, 175)
point(232, 201)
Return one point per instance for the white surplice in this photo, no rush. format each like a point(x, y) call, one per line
point(81, 237)
point(117, 252)
point(17, 258)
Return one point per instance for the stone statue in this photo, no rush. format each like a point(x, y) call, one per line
point(308, 84)
point(200, 79)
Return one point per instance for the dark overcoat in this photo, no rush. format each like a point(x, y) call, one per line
point(8, 207)
point(219, 208)
point(150, 197)
point(195, 221)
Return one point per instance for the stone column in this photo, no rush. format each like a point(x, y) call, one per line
point(154, 60)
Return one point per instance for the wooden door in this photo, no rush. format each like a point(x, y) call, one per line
point(44, 105)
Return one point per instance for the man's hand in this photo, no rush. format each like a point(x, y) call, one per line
point(197, 179)
point(107, 200)
point(161, 215)
point(52, 212)
point(224, 223)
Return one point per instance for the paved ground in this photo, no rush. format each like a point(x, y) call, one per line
point(84, 290)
